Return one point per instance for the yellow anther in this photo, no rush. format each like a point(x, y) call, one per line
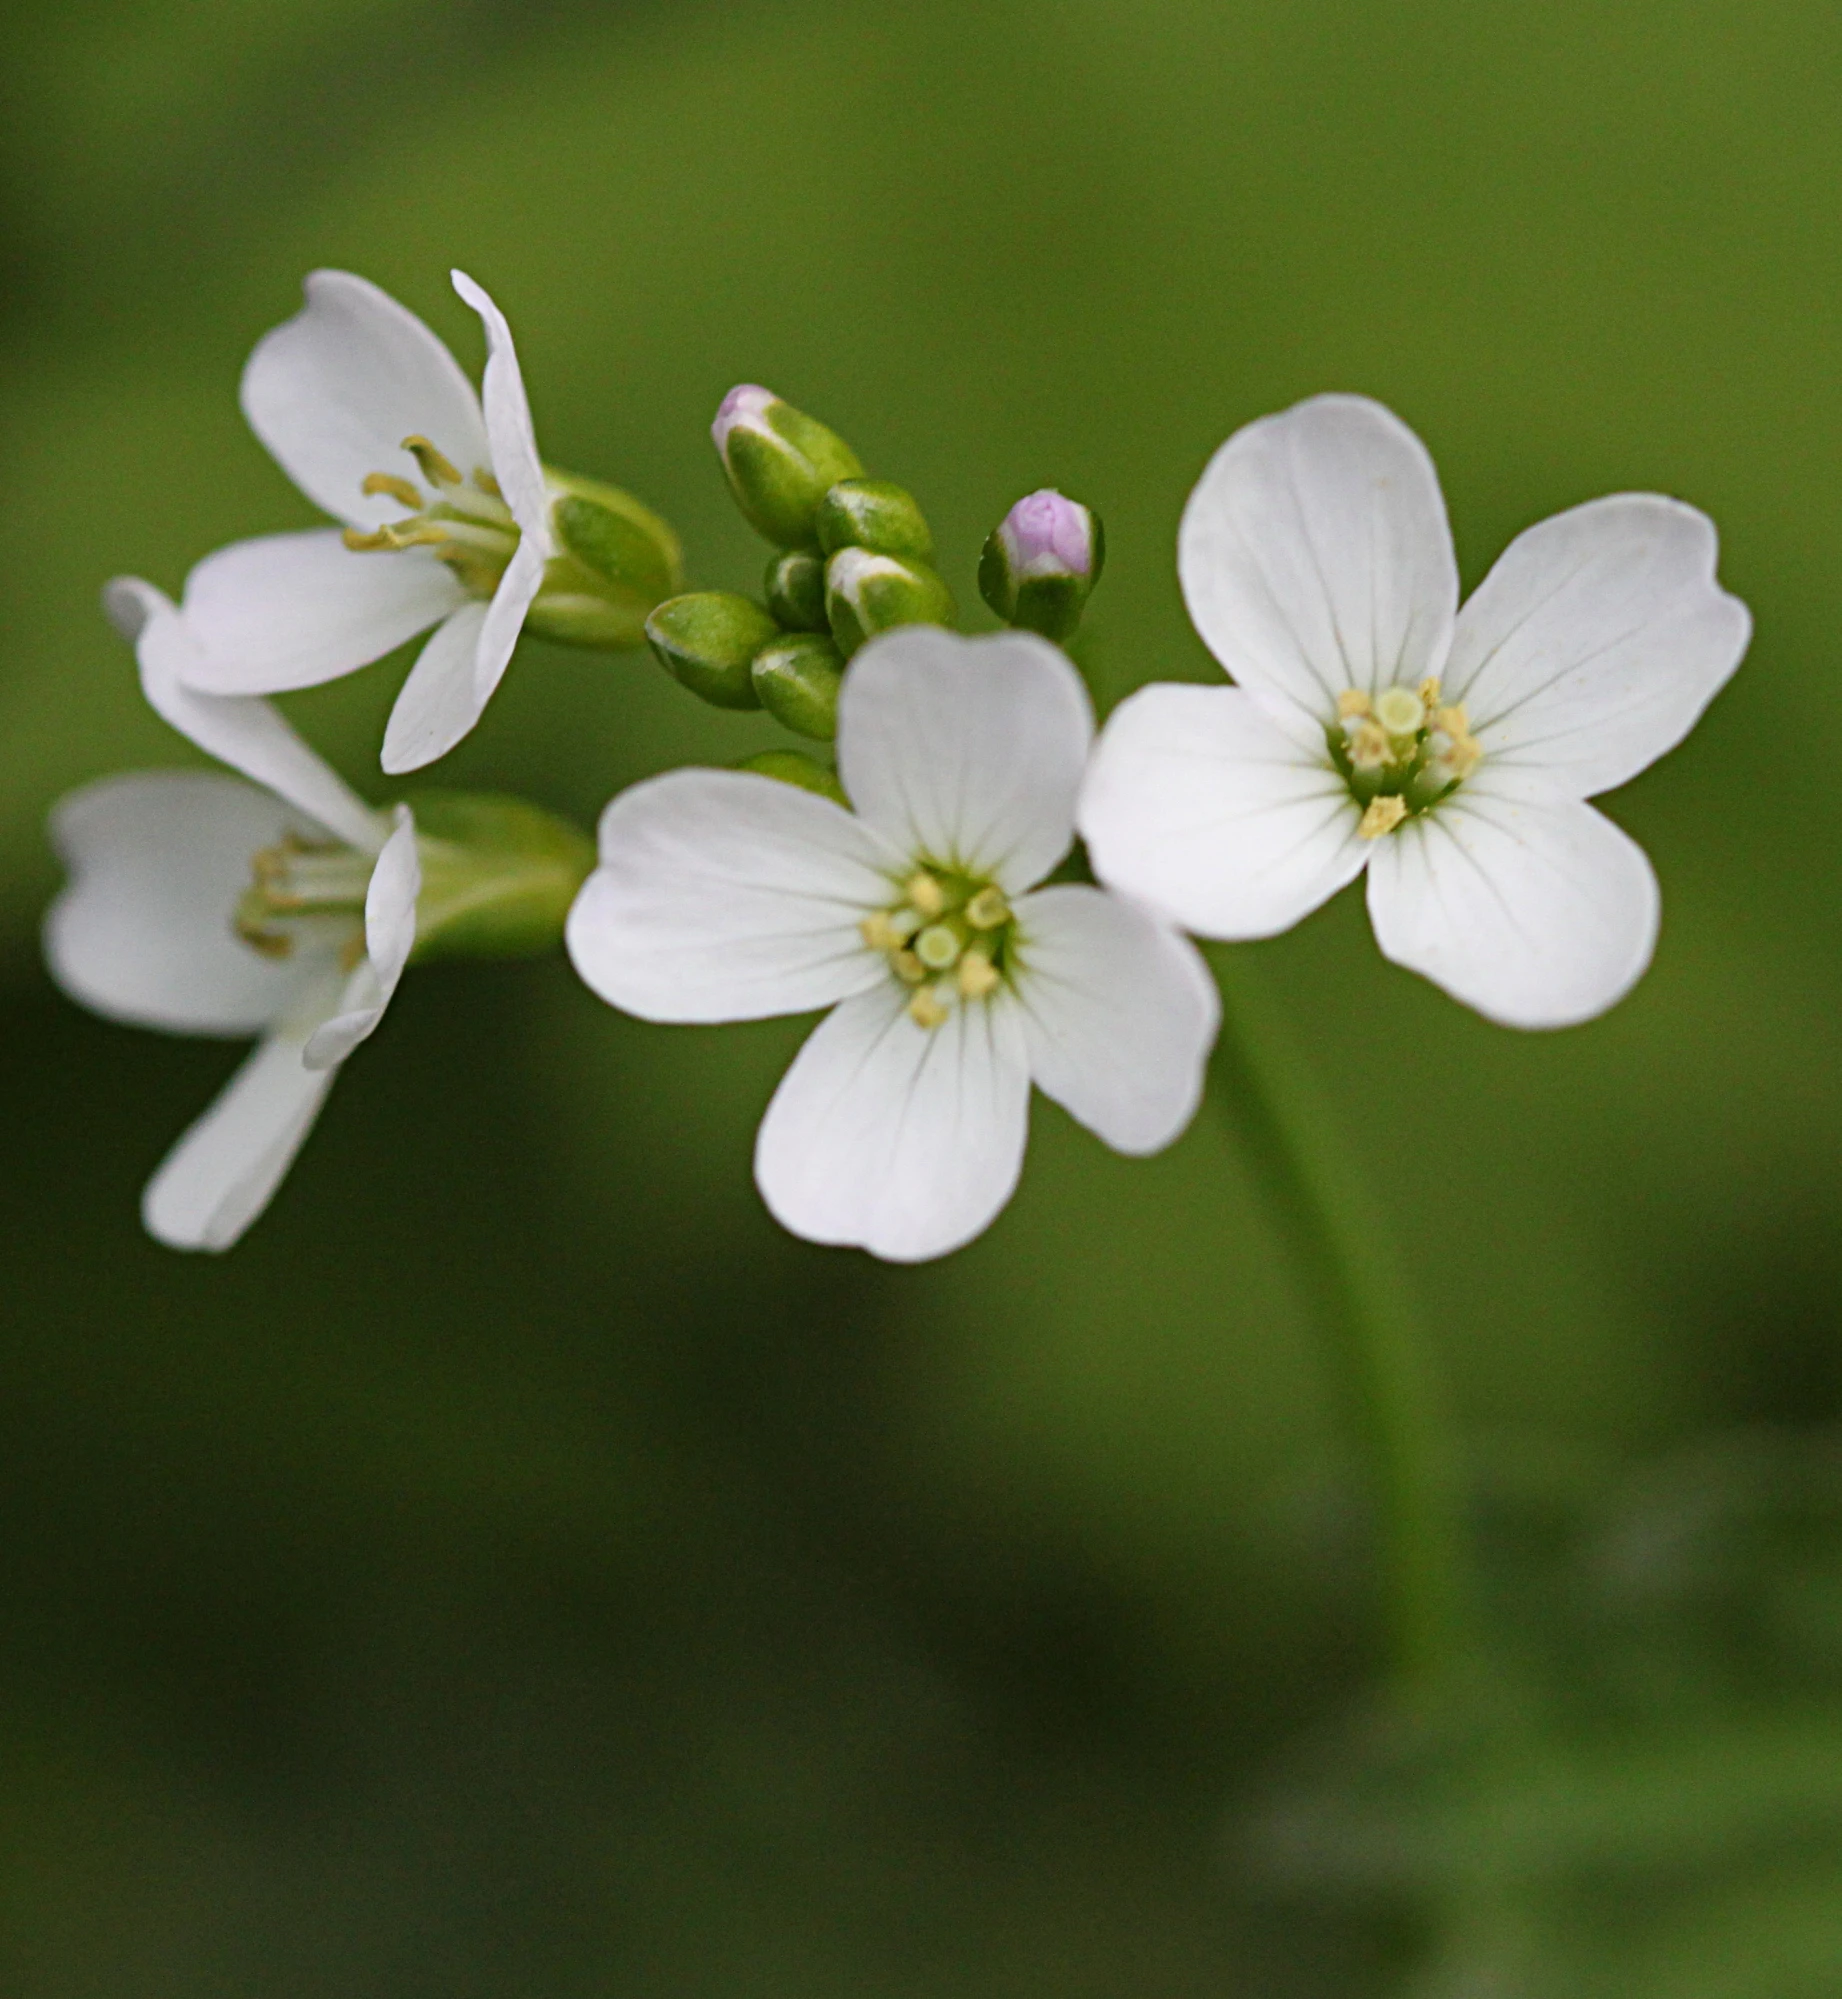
point(926, 1009)
point(988, 909)
point(1351, 703)
point(925, 893)
point(937, 947)
point(1429, 692)
point(487, 484)
point(416, 534)
point(1463, 757)
point(1369, 746)
point(361, 543)
point(1383, 816)
point(908, 968)
point(1399, 710)
point(977, 975)
point(398, 489)
point(435, 467)
point(1454, 721)
point(879, 933)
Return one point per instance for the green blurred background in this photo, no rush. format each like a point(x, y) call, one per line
point(517, 1569)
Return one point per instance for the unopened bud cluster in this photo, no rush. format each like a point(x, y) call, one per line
point(854, 557)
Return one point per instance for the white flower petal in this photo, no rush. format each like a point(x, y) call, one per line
point(245, 733)
point(438, 703)
point(1119, 1014)
point(966, 751)
point(1597, 640)
point(295, 610)
point(898, 1139)
point(334, 391)
point(515, 463)
point(222, 1173)
point(390, 936)
point(142, 933)
point(1315, 556)
point(1537, 911)
point(1200, 804)
point(505, 616)
point(724, 895)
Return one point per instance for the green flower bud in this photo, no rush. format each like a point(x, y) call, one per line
point(795, 767)
point(707, 640)
point(873, 514)
point(615, 560)
point(866, 594)
point(1041, 564)
point(797, 679)
point(498, 875)
point(796, 590)
point(780, 461)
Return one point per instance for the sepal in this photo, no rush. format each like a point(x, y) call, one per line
point(615, 561)
point(796, 768)
point(780, 461)
point(866, 594)
point(498, 875)
point(796, 679)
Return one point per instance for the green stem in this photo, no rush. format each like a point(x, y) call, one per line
point(1290, 1133)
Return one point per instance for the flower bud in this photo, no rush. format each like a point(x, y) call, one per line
point(498, 875)
point(873, 514)
point(1040, 566)
point(796, 590)
point(866, 594)
point(795, 767)
point(615, 560)
point(707, 640)
point(797, 679)
point(780, 461)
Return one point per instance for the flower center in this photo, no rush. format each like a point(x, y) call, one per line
point(950, 938)
point(1400, 753)
point(465, 521)
point(305, 892)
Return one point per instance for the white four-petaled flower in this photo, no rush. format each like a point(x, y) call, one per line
point(200, 904)
point(444, 505)
point(955, 979)
point(1373, 722)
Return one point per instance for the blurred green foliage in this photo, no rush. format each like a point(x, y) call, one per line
point(518, 1569)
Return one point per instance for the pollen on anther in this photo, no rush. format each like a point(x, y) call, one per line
point(977, 975)
point(1382, 815)
point(1351, 703)
point(908, 968)
point(926, 1009)
point(397, 489)
point(925, 893)
point(1369, 746)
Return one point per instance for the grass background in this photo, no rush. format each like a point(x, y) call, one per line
point(518, 1569)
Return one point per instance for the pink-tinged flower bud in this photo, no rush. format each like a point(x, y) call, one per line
point(781, 463)
point(1041, 564)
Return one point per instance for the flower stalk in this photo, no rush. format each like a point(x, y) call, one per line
point(1396, 1399)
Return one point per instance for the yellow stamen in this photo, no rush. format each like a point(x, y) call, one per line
point(487, 483)
point(977, 975)
point(908, 968)
point(988, 909)
point(879, 933)
point(926, 1010)
point(435, 467)
point(361, 543)
point(1429, 692)
point(416, 534)
point(1383, 816)
point(398, 489)
point(1351, 703)
point(1454, 721)
point(1369, 746)
point(926, 894)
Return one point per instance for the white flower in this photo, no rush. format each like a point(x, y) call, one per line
point(724, 895)
point(1375, 723)
point(203, 905)
point(445, 511)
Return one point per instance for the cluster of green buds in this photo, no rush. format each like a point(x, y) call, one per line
point(853, 557)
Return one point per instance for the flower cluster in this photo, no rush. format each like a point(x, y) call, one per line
point(928, 888)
